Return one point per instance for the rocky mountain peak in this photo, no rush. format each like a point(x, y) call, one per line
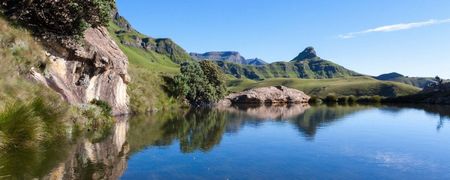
point(308, 53)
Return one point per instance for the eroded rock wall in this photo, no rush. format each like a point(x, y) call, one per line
point(93, 68)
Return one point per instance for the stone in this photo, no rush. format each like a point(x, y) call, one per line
point(95, 68)
point(266, 95)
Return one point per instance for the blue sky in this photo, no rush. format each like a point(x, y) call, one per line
point(369, 36)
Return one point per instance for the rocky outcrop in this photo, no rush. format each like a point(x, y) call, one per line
point(267, 95)
point(308, 53)
point(94, 68)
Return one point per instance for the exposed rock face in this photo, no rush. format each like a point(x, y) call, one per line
point(93, 69)
point(308, 53)
point(267, 95)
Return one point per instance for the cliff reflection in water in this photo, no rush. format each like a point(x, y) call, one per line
point(70, 158)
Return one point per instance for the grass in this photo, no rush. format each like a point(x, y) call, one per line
point(357, 86)
point(147, 69)
point(308, 69)
point(30, 112)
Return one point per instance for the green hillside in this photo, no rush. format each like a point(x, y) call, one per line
point(358, 86)
point(307, 66)
point(149, 61)
point(420, 82)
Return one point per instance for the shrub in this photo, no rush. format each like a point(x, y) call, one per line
point(106, 108)
point(343, 99)
point(331, 98)
point(200, 83)
point(352, 99)
point(369, 99)
point(376, 99)
point(315, 100)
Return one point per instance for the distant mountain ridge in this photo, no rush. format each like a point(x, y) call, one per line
point(306, 65)
point(227, 56)
point(420, 82)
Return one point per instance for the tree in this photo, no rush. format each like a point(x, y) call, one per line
point(200, 83)
point(62, 17)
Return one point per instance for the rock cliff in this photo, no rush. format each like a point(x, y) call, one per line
point(84, 63)
point(94, 69)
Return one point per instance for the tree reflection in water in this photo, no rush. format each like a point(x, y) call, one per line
point(199, 129)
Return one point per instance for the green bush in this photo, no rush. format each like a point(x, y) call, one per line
point(63, 17)
point(331, 98)
point(352, 99)
point(106, 108)
point(343, 100)
point(369, 99)
point(199, 83)
point(315, 100)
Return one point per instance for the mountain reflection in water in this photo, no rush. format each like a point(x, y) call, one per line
point(196, 130)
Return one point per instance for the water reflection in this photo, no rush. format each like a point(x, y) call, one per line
point(195, 130)
point(64, 158)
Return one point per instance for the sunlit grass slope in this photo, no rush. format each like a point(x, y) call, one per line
point(358, 86)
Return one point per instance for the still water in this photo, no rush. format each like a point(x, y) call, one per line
point(288, 142)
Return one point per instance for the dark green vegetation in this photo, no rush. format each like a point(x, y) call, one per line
point(427, 97)
point(63, 17)
point(307, 66)
point(420, 82)
point(200, 83)
point(356, 86)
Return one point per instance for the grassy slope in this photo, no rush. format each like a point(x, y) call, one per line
point(310, 69)
point(146, 69)
point(359, 86)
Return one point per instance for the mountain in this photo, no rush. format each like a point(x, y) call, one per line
point(228, 56)
point(130, 37)
point(307, 65)
point(307, 54)
point(420, 82)
point(255, 62)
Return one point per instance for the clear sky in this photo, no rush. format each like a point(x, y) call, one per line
point(411, 37)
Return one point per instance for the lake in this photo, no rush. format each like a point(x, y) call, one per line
point(283, 142)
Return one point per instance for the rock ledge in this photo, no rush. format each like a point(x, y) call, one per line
point(267, 95)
